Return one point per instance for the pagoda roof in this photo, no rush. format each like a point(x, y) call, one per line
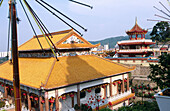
point(58, 39)
point(69, 70)
point(136, 30)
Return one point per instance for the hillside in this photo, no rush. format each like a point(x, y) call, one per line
point(113, 40)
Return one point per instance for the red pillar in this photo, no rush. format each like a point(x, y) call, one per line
point(128, 81)
point(78, 94)
point(123, 84)
point(6, 92)
point(110, 87)
point(136, 36)
point(56, 101)
point(141, 36)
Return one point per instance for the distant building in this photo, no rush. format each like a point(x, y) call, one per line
point(106, 47)
point(77, 78)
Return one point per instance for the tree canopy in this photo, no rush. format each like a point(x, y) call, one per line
point(160, 73)
point(161, 32)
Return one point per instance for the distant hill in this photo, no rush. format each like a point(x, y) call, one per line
point(113, 40)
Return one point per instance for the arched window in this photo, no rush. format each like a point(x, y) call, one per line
point(82, 94)
point(97, 90)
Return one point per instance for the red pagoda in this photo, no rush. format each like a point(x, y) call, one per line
point(137, 45)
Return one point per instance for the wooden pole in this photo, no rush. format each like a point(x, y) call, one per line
point(16, 80)
point(78, 95)
point(46, 102)
point(56, 101)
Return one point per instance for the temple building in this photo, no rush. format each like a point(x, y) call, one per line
point(137, 45)
point(76, 78)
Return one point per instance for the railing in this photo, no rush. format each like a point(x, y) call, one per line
point(135, 50)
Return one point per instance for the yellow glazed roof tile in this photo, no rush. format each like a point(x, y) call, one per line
point(75, 69)
point(35, 72)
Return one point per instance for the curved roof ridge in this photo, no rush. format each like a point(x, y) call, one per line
point(115, 62)
point(51, 69)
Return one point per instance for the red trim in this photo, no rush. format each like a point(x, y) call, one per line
point(137, 43)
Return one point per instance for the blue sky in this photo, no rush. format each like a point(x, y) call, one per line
point(108, 18)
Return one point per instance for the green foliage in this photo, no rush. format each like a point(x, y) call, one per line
point(76, 107)
point(160, 73)
point(2, 104)
point(160, 32)
point(139, 106)
point(105, 109)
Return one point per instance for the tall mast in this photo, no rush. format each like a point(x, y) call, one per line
point(16, 80)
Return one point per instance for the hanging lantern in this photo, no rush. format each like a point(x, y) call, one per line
point(31, 97)
point(24, 94)
point(140, 86)
point(89, 90)
point(114, 84)
point(71, 95)
point(143, 92)
point(102, 101)
point(125, 80)
point(149, 93)
point(103, 86)
point(36, 98)
point(89, 107)
point(91, 101)
point(119, 82)
point(63, 97)
point(133, 97)
point(97, 108)
point(98, 100)
point(42, 102)
point(12, 89)
point(2, 85)
point(86, 104)
point(51, 100)
point(110, 103)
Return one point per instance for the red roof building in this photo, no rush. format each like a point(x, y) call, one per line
point(137, 45)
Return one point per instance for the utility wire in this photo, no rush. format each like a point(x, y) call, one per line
point(30, 9)
point(63, 15)
point(164, 7)
point(59, 17)
point(161, 11)
point(81, 3)
point(31, 25)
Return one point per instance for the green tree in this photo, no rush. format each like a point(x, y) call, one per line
point(160, 73)
point(161, 32)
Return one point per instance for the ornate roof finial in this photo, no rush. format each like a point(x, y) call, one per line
point(136, 21)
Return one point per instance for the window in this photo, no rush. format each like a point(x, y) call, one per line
point(82, 94)
point(97, 90)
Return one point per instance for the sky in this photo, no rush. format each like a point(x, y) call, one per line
point(108, 18)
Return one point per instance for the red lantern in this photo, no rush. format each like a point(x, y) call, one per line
point(89, 107)
point(36, 98)
point(94, 104)
point(71, 95)
point(63, 97)
point(151, 89)
point(92, 98)
point(97, 108)
point(2, 85)
point(31, 97)
point(88, 101)
point(91, 101)
point(51, 101)
point(24, 94)
point(103, 97)
point(102, 101)
point(42, 101)
point(86, 104)
point(103, 86)
point(119, 82)
point(110, 103)
point(152, 96)
point(133, 97)
point(132, 89)
point(140, 86)
point(89, 98)
point(98, 100)
point(114, 84)
point(12, 89)
point(143, 92)
point(149, 93)
point(125, 80)
point(89, 90)
point(137, 87)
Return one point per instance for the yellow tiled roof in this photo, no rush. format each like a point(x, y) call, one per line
point(58, 38)
point(68, 70)
point(74, 69)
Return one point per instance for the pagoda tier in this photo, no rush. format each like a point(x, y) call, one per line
point(136, 42)
point(137, 30)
